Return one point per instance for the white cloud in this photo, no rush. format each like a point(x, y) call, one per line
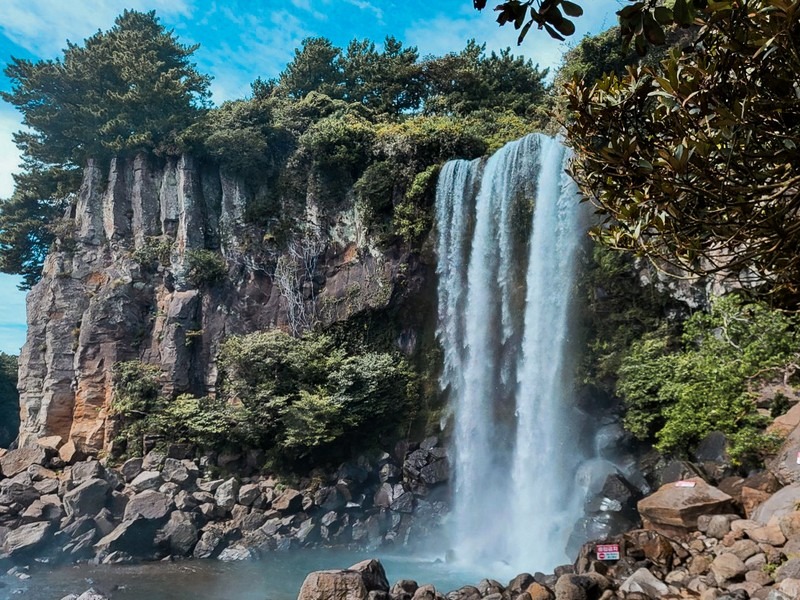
point(43, 26)
point(364, 5)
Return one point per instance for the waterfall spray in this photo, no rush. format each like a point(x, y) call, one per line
point(504, 295)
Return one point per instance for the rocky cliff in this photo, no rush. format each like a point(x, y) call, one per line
point(119, 285)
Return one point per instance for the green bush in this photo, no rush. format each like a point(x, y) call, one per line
point(9, 400)
point(204, 422)
point(136, 388)
point(374, 191)
point(305, 400)
point(205, 267)
point(155, 251)
point(703, 384)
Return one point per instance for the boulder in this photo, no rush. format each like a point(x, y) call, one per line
point(86, 470)
point(768, 534)
point(146, 480)
point(236, 552)
point(784, 464)
point(333, 585)
point(134, 537)
point(728, 566)
point(131, 468)
point(87, 499)
point(176, 471)
point(18, 490)
point(644, 582)
point(150, 505)
point(780, 503)
point(289, 502)
point(27, 538)
point(209, 544)
point(153, 460)
point(17, 461)
point(227, 494)
point(249, 493)
point(673, 509)
point(180, 533)
point(372, 574)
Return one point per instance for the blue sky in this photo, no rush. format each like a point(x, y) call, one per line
point(244, 39)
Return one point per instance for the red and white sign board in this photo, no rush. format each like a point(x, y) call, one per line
point(685, 483)
point(607, 551)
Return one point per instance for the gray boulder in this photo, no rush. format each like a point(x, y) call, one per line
point(227, 494)
point(180, 533)
point(27, 538)
point(134, 537)
point(146, 480)
point(150, 505)
point(131, 468)
point(87, 499)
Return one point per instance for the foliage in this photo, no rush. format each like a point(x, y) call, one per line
point(679, 390)
point(617, 311)
point(205, 267)
point(205, 422)
point(127, 89)
point(136, 389)
point(306, 399)
point(469, 81)
point(642, 22)
point(153, 252)
point(693, 162)
point(27, 220)
point(9, 400)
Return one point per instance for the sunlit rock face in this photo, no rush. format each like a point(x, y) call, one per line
point(117, 287)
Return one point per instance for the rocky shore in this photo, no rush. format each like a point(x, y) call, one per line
point(694, 548)
point(171, 506)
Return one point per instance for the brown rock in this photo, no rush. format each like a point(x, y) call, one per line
point(786, 423)
point(675, 510)
point(51, 443)
point(17, 461)
point(751, 499)
point(728, 566)
point(290, 501)
point(780, 503)
point(790, 524)
point(769, 534)
point(373, 575)
point(699, 564)
point(537, 591)
point(758, 576)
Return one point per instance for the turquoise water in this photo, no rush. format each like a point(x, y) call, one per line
point(277, 577)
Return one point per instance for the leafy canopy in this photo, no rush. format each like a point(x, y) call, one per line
point(127, 89)
point(693, 162)
point(680, 390)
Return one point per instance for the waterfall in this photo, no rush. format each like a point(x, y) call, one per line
point(505, 284)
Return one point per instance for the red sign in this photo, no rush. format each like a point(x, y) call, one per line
point(607, 551)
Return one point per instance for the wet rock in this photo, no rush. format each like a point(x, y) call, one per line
point(237, 552)
point(333, 585)
point(372, 574)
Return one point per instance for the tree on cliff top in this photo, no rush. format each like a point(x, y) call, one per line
point(127, 89)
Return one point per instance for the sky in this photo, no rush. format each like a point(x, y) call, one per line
point(241, 40)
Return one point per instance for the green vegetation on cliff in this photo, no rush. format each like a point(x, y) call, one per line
point(304, 401)
point(9, 399)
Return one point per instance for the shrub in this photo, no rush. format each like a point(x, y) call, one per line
point(155, 251)
point(205, 267)
point(681, 394)
point(9, 400)
point(305, 400)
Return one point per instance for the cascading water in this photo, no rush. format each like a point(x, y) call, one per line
point(505, 284)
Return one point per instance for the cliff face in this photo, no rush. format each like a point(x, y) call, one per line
point(100, 302)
